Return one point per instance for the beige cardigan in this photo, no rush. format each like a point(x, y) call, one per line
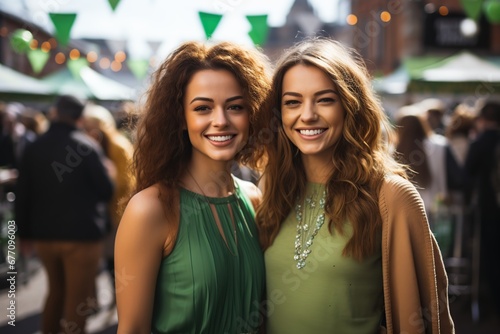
point(415, 281)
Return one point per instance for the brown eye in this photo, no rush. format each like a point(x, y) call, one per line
point(291, 102)
point(235, 107)
point(201, 108)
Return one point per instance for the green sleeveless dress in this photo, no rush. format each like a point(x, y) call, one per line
point(205, 285)
point(331, 294)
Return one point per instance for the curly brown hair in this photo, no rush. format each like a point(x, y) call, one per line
point(360, 158)
point(162, 148)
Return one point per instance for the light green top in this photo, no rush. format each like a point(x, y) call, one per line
point(204, 286)
point(331, 294)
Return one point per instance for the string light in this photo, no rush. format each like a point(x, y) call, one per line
point(60, 58)
point(53, 42)
point(104, 63)
point(46, 46)
point(74, 54)
point(430, 8)
point(120, 56)
point(33, 44)
point(443, 10)
point(92, 57)
point(385, 16)
point(351, 19)
point(116, 66)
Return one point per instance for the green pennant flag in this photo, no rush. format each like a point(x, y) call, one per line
point(210, 22)
point(63, 22)
point(76, 65)
point(472, 8)
point(492, 11)
point(138, 67)
point(38, 59)
point(259, 30)
point(113, 4)
point(20, 40)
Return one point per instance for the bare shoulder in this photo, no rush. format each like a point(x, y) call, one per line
point(252, 191)
point(145, 206)
point(144, 219)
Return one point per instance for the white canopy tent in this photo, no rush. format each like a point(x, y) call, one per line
point(89, 84)
point(16, 83)
point(462, 73)
point(463, 67)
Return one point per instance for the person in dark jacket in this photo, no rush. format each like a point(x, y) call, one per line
point(62, 194)
point(482, 167)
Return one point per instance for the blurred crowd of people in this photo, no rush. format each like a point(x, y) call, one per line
point(453, 158)
point(69, 169)
point(453, 154)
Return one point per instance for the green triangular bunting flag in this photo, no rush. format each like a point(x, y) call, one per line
point(63, 24)
point(138, 67)
point(472, 8)
point(38, 59)
point(210, 22)
point(76, 65)
point(113, 4)
point(259, 30)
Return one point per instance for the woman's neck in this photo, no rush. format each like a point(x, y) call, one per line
point(213, 180)
point(317, 169)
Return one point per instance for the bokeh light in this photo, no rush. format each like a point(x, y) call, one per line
point(351, 19)
point(120, 56)
point(430, 8)
point(92, 57)
point(468, 27)
point(104, 63)
point(33, 44)
point(116, 66)
point(385, 16)
point(60, 58)
point(53, 42)
point(443, 10)
point(74, 54)
point(46, 46)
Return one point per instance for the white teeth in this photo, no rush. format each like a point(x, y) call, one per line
point(311, 132)
point(220, 138)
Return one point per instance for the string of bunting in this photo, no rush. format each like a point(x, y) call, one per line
point(490, 8)
point(258, 32)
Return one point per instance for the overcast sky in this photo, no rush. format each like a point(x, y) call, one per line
point(168, 22)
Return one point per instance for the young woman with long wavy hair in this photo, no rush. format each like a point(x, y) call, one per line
point(348, 245)
point(188, 258)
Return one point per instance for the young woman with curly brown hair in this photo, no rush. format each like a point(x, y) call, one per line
point(188, 258)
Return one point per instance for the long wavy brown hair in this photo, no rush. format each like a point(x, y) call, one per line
point(360, 158)
point(162, 147)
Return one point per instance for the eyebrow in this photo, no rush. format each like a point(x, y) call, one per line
point(238, 97)
point(321, 92)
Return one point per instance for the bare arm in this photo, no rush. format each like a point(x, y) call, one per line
point(138, 253)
